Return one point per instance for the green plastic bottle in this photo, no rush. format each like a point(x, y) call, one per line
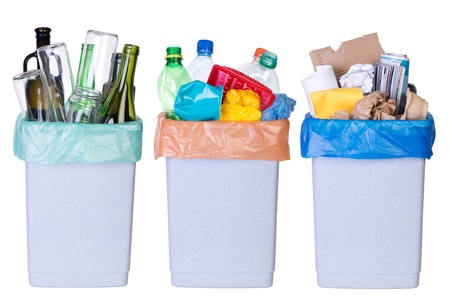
point(119, 107)
point(173, 75)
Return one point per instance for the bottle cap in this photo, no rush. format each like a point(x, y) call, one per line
point(204, 45)
point(268, 60)
point(173, 51)
point(259, 52)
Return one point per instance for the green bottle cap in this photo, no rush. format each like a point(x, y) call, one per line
point(173, 51)
point(269, 60)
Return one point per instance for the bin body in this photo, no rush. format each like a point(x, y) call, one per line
point(368, 221)
point(222, 222)
point(79, 223)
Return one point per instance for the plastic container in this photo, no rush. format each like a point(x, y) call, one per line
point(264, 71)
point(200, 67)
point(231, 78)
point(79, 200)
point(222, 200)
point(368, 191)
point(255, 59)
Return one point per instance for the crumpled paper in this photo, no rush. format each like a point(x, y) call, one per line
point(359, 75)
point(372, 106)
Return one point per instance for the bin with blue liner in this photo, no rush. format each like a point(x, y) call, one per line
point(368, 191)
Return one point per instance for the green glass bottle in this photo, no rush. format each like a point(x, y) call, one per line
point(85, 76)
point(116, 59)
point(119, 107)
point(173, 75)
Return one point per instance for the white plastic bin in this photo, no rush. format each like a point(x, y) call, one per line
point(79, 230)
point(222, 190)
point(80, 182)
point(368, 191)
point(368, 221)
point(222, 222)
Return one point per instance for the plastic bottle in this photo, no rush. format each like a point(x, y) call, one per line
point(173, 75)
point(201, 65)
point(255, 60)
point(265, 72)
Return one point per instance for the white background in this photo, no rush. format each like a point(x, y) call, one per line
point(289, 28)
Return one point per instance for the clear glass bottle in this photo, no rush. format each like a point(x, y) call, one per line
point(119, 106)
point(255, 59)
point(200, 67)
point(265, 72)
point(82, 105)
point(170, 79)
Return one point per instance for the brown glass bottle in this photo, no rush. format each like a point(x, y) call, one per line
point(37, 111)
point(42, 39)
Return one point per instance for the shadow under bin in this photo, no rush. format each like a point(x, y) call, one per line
point(368, 191)
point(80, 182)
point(222, 190)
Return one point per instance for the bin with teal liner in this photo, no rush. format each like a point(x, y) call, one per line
point(368, 191)
point(80, 182)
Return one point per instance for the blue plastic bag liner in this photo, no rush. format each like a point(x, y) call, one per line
point(198, 101)
point(62, 142)
point(367, 139)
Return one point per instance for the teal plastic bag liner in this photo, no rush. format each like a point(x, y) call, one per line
point(367, 139)
point(62, 142)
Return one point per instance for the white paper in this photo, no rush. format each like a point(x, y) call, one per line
point(323, 79)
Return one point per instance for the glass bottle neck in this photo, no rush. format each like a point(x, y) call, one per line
point(42, 37)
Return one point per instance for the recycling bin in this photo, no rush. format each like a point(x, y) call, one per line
point(368, 191)
point(79, 200)
point(222, 190)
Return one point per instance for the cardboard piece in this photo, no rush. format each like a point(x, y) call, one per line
point(362, 50)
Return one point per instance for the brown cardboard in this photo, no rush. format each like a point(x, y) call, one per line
point(362, 50)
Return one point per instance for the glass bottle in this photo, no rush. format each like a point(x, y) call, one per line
point(96, 58)
point(170, 79)
point(34, 81)
point(85, 75)
point(119, 107)
point(265, 72)
point(42, 39)
point(200, 67)
point(116, 59)
point(36, 110)
point(255, 59)
point(82, 105)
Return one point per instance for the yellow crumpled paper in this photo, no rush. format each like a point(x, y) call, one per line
point(327, 102)
point(240, 105)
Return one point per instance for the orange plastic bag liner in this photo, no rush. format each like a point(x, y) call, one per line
point(257, 140)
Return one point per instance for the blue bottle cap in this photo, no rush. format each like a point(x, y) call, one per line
point(205, 45)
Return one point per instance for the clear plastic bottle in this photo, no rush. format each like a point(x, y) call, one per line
point(255, 60)
point(173, 75)
point(201, 65)
point(265, 72)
